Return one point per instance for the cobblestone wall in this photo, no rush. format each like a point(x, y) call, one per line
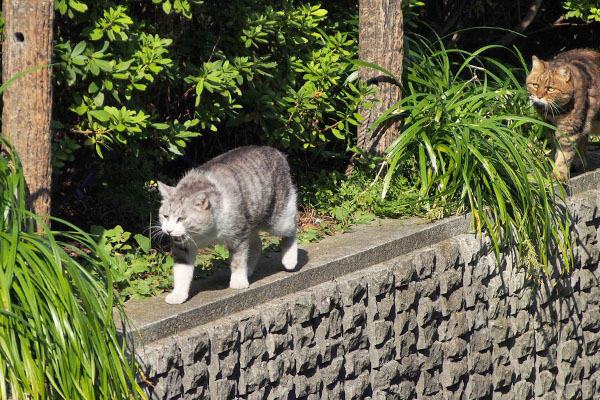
point(444, 322)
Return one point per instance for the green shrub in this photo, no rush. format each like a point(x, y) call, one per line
point(152, 76)
point(57, 334)
point(470, 140)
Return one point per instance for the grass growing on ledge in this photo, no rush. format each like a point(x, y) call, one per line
point(471, 142)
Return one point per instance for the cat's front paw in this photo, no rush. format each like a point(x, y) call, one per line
point(238, 282)
point(176, 298)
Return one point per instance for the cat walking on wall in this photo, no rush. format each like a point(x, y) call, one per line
point(229, 200)
point(565, 91)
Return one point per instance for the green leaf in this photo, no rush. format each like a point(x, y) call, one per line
point(143, 242)
point(100, 115)
point(79, 49)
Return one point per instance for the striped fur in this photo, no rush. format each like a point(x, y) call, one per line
point(229, 200)
point(565, 91)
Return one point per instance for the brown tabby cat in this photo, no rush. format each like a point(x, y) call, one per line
point(566, 92)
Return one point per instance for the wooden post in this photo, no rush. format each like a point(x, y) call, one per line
point(380, 41)
point(27, 109)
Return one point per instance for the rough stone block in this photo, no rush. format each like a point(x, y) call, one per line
point(455, 349)
point(355, 389)
point(587, 279)
point(526, 368)
point(404, 272)
point(591, 342)
point(544, 383)
point(160, 359)
point(195, 375)
point(499, 330)
point(406, 390)
point(223, 389)
point(356, 338)
point(251, 350)
point(224, 337)
point(275, 317)
point(251, 327)
point(450, 281)
point(568, 351)
point(520, 323)
point(405, 297)
point(523, 390)
point(423, 262)
point(330, 349)
point(544, 337)
point(382, 378)
point(307, 385)
point(427, 335)
point(480, 341)
point(353, 316)
point(193, 347)
point(480, 363)
point(302, 336)
point(451, 303)
point(352, 289)
point(447, 256)
point(253, 378)
point(572, 391)
point(405, 344)
point(523, 346)
point(379, 331)
point(435, 356)
point(427, 385)
point(280, 366)
point(277, 343)
point(588, 389)
point(306, 358)
point(478, 387)
point(457, 325)
point(302, 309)
point(452, 372)
point(168, 386)
point(590, 320)
point(502, 376)
point(410, 366)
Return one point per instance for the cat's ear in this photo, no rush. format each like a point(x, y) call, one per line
point(201, 200)
point(165, 190)
point(537, 64)
point(564, 73)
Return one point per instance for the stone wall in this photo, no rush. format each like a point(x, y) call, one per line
point(443, 322)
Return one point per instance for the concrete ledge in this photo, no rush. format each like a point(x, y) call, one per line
point(334, 256)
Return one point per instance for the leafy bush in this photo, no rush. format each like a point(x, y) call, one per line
point(153, 76)
point(469, 139)
point(57, 334)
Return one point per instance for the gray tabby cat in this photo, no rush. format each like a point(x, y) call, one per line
point(228, 200)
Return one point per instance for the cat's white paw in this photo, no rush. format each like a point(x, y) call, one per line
point(176, 298)
point(238, 282)
point(290, 260)
point(290, 256)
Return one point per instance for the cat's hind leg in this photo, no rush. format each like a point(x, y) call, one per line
point(286, 227)
point(183, 273)
point(254, 252)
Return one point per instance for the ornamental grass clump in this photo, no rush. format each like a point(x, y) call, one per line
point(471, 142)
point(58, 339)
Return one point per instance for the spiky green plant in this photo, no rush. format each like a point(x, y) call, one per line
point(470, 139)
point(58, 339)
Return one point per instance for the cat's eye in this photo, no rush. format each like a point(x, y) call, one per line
point(535, 85)
point(180, 219)
point(550, 89)
point(165, 216)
